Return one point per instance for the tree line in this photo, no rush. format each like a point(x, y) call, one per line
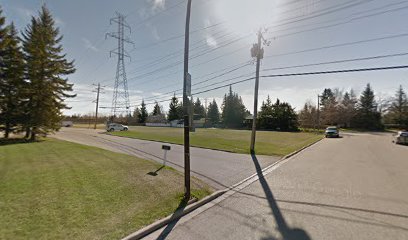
point(345, 109)
point(33, 70)
point(232, 114)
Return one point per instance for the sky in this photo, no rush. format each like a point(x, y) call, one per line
point(296, 32)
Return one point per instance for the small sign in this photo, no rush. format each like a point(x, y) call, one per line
point(188, 84)
point(166, 147)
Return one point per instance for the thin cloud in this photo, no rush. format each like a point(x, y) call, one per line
point(158, 4)
point(89, 45)
point(211, 41)
point(209, 38)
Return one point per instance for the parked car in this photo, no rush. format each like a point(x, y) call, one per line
point(332, 132)
point(67, 124)
point(401, 137)
point(111, 127)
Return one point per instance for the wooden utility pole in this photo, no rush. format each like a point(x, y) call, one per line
point(98, 89)
point(318, 112)
point(256, 51)
point(186, 103)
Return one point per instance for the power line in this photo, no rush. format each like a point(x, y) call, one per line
point(174, 37)
point(338, 61)
point(176, 64)
point(316, 64)
point(340, 45)
point(157, 14)
point(339, 24)
point(312, 29)
point(309, 73)
point(201, 82)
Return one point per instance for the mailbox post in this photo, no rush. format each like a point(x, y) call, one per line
point(165, 148)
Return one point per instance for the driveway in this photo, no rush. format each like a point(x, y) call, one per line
point(355, 187)
point(218, 169)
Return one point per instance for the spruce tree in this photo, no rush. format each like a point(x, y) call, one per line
point(399, 108)
point(279, 116)
point(367, 116)
point(174, 109)
point(199, 109)
point(156, 109)
point(233, 110)
point(3, 43)
point(213, 113)
point(143, 113)
point(46, 66)
point(12, 95)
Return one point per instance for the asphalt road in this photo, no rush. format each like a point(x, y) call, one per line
point(355, 187)
point(218, 169)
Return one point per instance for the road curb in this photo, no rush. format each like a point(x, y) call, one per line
point(299, 150)
point(163, 222)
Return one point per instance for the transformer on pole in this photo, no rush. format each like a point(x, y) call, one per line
point(120, 100)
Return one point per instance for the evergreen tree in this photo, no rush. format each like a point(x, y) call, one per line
point(308, 116)
point(136, 116)
point(174, 109)
point(347, 109)
point(199, 109)
point(329, 110)
point(157, 109)
point(213, 113)
point(279, 116)
point(399, 108)
point(367, 116)
point(143, 113)
point(12, 86)
point(3, 43)
point(46, 66)
point(233, 110)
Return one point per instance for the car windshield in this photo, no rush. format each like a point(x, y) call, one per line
point(332, 129)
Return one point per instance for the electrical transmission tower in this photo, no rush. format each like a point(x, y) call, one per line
point(120, 100)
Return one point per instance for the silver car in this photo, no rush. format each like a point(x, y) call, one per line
point(332, 132)
point(111, 127)
point(401, 137)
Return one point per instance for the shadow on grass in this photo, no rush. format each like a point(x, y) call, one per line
point(11, 141)
point(155, 172)
point(286, 232)
point(174, 220)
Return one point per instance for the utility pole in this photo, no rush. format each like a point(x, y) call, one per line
point(206, 113)
point(97, 90)
point(186, 101)
point(120, 98)
point(256, 51)
point(318, 112)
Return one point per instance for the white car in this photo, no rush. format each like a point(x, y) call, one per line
point(332, 132)
point(111, 127)
point(402, 137)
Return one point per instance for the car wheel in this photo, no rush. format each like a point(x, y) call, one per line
point(125, 129)
point(111, 130)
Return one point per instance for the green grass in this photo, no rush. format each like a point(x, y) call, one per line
point(89, 126)
point(59, 190)
point(238, 141)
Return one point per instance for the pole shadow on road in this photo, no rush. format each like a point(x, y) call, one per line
point(174, 220)
point(286, 232)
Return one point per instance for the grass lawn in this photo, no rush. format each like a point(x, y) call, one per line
point(89, 126)
point(267, 143)
point(60, 190)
